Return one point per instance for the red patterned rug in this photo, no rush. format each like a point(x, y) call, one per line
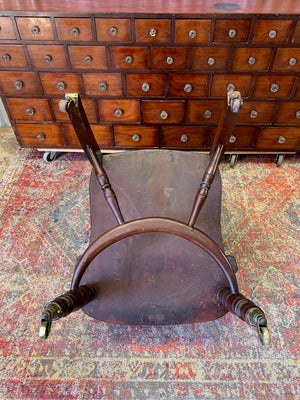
point(44, 212)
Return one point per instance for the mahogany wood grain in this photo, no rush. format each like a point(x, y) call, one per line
point(160, 55)
point(210, 58)
point(121, 29)
point(283, 58)
point(55, 56)
point(138, 55)
point(43, 28)
point(7, 30)
point(130, 110)
point(135, 136)
point(223, 28)
point(269, 138)
point(183, 27)
point(16, 56)
point(221, 82)
point(96, 57)
point(260, 56)
point(28, 79)
point(296, 36)
point(152, 110)
point(263, 27)
point(19, 109)
point(263, 85)
point(112, 84)
point(288, 113)
point(40, 135)
point(89, 107)
point(161, 26)
point(51, 80)
point(204, 112)
point(177, 85)
point(245, 137)
point(65, 27)
point(135, 86)
point(191, 137)
point(262, 112)
point(101, 133)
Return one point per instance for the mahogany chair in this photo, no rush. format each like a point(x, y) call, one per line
point(155, 262)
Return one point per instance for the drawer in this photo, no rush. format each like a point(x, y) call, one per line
point(35, 28)
point(271, 31)
point(12, 56)
point(146, 85)
point(113, 30)
point(232, 30)
point(39, 135)
point(163, 112)
point(89, 108)
point(297, 94)
point(47, 56)
point(135, 136)
point(101, 132)
point(74, 29)
point(287, 60)
point(129, 58)
point(222, 83)
point(153, 30)
point(169, 58)
point(19, 83)
point(210, 58)
point(29, 109)
point(7, 30)
point(251, 59)
point(184, 137)
point(296, 36)
point(192, 30)
point(205, 112)
point(88, 57)
point(273, 85)
point(279, 139)
point(102, 84)
point(256, 112)
point(119, 110)
point(242, 138)
point(288, 113)
point(187, 85)
point(60, 83)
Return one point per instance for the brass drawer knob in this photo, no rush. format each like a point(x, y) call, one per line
point(6, 57)
point(41, 136)
point(164, 115)
point(184, 138)
point(253, 114)
point(192, 34)
point(118, 112)
point(74, 31)
point(128, 59)
point(35, 30)
point(188, 88)
point(274, 87)
point(145, 87)
point(272, 34)
point(207, 114)
point(103, 86)
point(61, 86)
point(152, 32)
point(113, 31)
point(281, 139)
point(211, 61)
point(170, 60)
point(298, 114)
point(88, 59)
point(30, 111)
point(230, 86)
point(232, 139)
point(48, 58)
point(232, 33)
point(251, 60)
point(136, 137)
point(18, 85)
point(292, 61)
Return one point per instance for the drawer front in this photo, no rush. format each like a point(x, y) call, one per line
point(192, 30)
point(153, 30)
point(60, 83)
point(113, 30)
point(119, 110)
point(129, 58)
point(166, 112)
point(184, 137)
point(271, 31)
point(101, 132)
point(19, 83)
point(135, 136)
point(205, 112)
point(222, 83)
point(74, 29)
point(7, 30)
point(38, 135)
point(288, 113)
point(169, 58)
point(273, 86)
point(251, 59)
point(146, 85)
point(88, 105)
point(187, 85)
point(287, 60)
point(12, 56)
point(47, 56)
point(29, 109)
point(242, 138)
point(232, 30)
point(296, 36)
point(279, 139)
point(210, 58)
point(36, 28)
point(256, 112)
point(102, 84)
point(88, 57)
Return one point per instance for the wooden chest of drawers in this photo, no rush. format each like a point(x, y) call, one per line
point(152, 74)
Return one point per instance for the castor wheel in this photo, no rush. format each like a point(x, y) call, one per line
point(279, 159)
point(50, 156)
point(232, 160)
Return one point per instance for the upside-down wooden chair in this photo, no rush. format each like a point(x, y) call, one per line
point(161, 263)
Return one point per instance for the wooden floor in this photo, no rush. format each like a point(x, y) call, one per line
point(8, 148)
